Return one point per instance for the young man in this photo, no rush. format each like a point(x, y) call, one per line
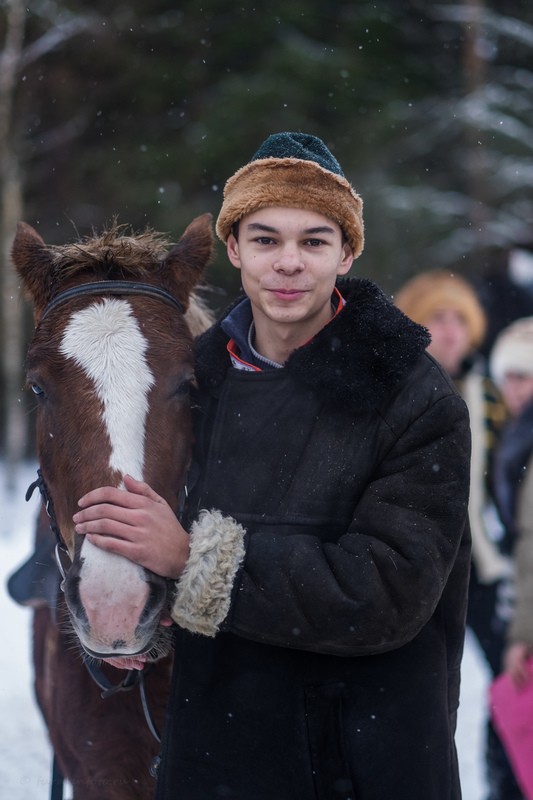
point(320, 599)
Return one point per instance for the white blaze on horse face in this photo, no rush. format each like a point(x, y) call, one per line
point(105, 340)
point(107, 343)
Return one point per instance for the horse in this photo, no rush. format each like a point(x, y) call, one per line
point(110, 364)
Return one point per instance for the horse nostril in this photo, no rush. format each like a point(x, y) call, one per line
point(156, 599)
point(71, 589)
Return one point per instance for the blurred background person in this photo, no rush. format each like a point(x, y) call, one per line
point(448, 306)
point(512, 368)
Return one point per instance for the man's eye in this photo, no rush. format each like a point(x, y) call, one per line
point(314, 242)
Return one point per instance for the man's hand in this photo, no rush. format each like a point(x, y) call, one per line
point(135, 523)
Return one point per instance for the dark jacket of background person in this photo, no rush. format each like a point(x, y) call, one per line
point(514, 476)
point(339, 658)
point(512, 464)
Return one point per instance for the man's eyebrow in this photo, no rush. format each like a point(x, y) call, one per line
point(320, 229)
point(258, 226)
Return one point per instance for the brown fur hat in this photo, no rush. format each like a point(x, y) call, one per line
point(293, 170)
point(431, 291)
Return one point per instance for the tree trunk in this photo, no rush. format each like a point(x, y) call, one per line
point(14, 434)
point(474, 80)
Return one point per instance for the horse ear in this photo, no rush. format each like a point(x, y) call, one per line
point(188, 259)
point(32, 261)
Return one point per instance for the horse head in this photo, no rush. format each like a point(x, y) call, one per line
point(111, 365)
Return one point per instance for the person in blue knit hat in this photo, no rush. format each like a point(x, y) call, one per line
point(320, 577)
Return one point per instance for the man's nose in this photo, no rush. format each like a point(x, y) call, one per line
point(289, 259)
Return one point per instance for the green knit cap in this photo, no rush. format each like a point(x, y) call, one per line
point(293, 170)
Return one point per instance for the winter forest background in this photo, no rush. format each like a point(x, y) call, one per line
point(142, 110)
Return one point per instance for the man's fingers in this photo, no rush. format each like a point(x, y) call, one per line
point(107, 494)
point(99, 512)
point(141, 488)
point(130, 497)
point(112, 544)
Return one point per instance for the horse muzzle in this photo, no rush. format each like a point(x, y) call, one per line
point(115, 605)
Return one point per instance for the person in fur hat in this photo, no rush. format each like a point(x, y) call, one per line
point(448, 306)
point(321, 575)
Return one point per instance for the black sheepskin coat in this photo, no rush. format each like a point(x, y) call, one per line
point(335, 675)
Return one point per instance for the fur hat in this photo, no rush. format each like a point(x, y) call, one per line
point(431, 291)
point(294, 170)
point(513, 350)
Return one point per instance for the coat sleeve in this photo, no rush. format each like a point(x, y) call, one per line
point(378, 584)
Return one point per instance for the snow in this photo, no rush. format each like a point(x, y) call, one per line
point(25, 756)
point(25, 753)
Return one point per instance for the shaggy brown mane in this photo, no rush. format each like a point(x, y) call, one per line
point(118, 248)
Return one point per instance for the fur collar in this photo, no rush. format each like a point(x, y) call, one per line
point(355, 361)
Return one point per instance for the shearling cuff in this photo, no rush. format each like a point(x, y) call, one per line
point(203, 592)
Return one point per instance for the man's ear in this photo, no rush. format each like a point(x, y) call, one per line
point(347, 259)
point(232, 249)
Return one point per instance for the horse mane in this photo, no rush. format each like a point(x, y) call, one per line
point(117, 248)
point(122, 252)
point(199, 316)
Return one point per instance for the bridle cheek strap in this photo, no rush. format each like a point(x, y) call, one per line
point(61, 553)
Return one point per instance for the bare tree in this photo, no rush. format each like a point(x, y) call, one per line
point(475, 78)
point(15, 56)
point(11, 211)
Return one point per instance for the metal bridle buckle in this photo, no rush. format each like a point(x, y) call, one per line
point(63, 560)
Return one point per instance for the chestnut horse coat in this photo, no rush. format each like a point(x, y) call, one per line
point(335, 671)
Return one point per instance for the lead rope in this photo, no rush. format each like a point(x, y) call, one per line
point(133, 678)
point(58, 781)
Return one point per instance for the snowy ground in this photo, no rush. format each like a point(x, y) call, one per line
point(25, 753)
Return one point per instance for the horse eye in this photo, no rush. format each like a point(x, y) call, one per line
point(36, 389)
point(184, 388)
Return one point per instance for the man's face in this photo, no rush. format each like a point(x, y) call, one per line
point(450, 339)
point(289, 260)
